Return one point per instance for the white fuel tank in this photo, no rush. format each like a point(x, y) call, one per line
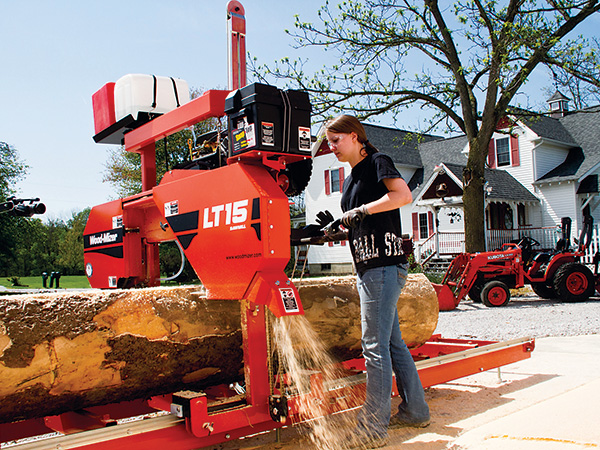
point(137, 93)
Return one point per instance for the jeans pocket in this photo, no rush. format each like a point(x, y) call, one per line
point(402, 274)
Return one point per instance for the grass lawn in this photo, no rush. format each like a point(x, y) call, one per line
point(66, 281)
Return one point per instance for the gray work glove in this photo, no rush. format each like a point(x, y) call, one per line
point(353, 217)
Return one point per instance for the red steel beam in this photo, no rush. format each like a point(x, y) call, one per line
point(210, 104)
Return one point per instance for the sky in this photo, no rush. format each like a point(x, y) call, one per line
point(55, 55)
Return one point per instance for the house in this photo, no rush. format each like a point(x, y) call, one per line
point(540, 169)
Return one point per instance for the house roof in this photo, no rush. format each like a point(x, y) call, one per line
point(547, 128)
point(504, 185)
point(578, 130)
point(435, 152)
point(558, 96)
point(402, 146)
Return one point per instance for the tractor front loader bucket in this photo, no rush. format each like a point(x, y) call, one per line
point(446, 297)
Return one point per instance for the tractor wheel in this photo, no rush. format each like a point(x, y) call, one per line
point(574, 282)
point(543, 291)
point(475, 292)
point(495, 293)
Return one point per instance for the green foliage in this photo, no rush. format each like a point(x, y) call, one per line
point(33, 247)
point(123, 167)
point(12, 169)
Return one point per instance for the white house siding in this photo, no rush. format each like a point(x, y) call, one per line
point(558, 200)
point(338, 256)
point(547, 157)
point(523, 173)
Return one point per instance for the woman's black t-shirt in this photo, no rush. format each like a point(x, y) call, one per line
point(377, 240)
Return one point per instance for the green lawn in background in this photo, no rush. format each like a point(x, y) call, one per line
point(66, 281)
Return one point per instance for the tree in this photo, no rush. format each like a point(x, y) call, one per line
point(123, 169)
point(12, 169)
point(473, 59)
point(70, 247)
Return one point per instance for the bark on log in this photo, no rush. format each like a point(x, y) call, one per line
point(65, 352)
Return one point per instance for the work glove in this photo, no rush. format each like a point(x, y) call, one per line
point(353, 217)
point(324, 218)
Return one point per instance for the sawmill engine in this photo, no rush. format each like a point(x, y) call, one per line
point(227, 209)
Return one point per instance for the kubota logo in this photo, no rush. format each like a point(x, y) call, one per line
point(229, 214)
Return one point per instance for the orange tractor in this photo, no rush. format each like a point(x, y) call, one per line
point(488, 276)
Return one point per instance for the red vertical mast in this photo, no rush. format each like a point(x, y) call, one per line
point(236, 32)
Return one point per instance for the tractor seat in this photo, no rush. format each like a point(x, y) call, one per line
point(541, 258)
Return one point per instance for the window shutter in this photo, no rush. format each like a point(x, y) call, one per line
point(492, 154)
point(514, 150)
point(430, 222)
point(327, 183)
point(415, 226)
point(341, 172)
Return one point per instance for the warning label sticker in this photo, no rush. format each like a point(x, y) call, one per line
point(290, 304)
point(172, 208)
point(117, 222)
point(250, 135)
point(303, 138)
point(268, 138)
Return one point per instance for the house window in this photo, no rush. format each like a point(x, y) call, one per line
point(423, 226)
point(334, 180)
point(502, 151)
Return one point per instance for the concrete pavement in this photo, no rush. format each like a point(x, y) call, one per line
point(549, 401)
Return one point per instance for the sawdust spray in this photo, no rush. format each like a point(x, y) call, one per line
point(304, 359)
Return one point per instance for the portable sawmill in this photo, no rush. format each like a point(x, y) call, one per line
point(228, 212)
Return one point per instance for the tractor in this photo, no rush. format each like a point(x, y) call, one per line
point(487, 277)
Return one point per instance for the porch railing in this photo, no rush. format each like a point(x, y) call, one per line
point(449, 244)
point(546, 236)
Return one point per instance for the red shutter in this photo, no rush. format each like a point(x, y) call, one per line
point(341, 172)
point(492, 154)
point(514, 150)
point(415, 223)
point(430, 222)
point(327, 183)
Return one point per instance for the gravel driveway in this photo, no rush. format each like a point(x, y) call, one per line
point(526, 315)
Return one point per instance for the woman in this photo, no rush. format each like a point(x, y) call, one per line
point(372, 195)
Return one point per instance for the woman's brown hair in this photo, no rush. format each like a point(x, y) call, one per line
point(349, 124)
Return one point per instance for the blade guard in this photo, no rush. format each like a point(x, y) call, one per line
point(276, 291)
point(446, 298)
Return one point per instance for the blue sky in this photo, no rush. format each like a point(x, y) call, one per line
point(55, 55)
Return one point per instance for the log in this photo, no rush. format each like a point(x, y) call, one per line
point(64, 352)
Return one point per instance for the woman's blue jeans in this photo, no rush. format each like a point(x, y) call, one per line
point(385, 352)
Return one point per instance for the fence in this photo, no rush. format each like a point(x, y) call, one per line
point(449, 244)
